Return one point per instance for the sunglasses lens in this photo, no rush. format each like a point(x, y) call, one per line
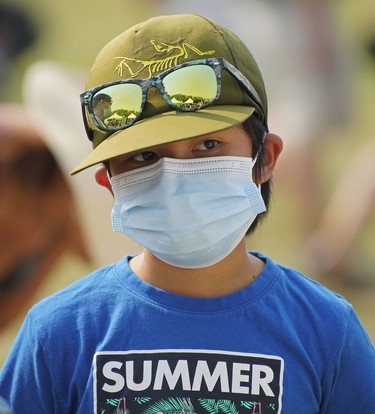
point(117, 106)
point(191, 87)
point(187, 88)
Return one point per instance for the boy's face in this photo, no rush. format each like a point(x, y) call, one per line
point(234, 141)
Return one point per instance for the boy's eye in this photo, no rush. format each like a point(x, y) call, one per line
point(145, 156)
point(207, 144)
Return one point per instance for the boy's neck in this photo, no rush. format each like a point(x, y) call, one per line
point(238, 270)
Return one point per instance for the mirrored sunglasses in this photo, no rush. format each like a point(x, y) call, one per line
point(186, 87)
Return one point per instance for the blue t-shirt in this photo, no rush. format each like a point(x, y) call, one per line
point(111, 343)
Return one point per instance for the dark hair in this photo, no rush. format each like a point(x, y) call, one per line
point(101, 97)
point(254, 127)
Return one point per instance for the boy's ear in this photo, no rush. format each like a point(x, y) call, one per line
point(102, 179)
point(273, 146)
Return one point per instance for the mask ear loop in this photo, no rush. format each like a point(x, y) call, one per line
point(257, 155)
point(259, 150)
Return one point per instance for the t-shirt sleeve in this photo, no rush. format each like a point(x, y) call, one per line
point(350, 384)
point(25, 380)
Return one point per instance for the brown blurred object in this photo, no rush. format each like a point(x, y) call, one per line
point(38, 220)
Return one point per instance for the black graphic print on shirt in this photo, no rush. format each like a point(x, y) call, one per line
point(187, 382)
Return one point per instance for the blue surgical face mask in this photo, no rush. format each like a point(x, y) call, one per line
point(190, 213)
point(107, 112)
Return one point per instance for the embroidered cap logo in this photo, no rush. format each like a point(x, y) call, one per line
point(156, 66)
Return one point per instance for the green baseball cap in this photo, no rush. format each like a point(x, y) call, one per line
point(151, 47)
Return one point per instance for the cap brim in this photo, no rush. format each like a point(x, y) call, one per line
point(164, 128)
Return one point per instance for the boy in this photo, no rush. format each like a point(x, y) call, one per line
point(194, 323)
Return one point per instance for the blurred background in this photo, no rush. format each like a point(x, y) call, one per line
point(318, 61)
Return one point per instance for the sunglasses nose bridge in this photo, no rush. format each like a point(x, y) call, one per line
point(153, 89)
point(154, 83)
point(154, 101)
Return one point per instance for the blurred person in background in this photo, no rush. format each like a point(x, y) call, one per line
point(40, 236)
point(39, 229)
